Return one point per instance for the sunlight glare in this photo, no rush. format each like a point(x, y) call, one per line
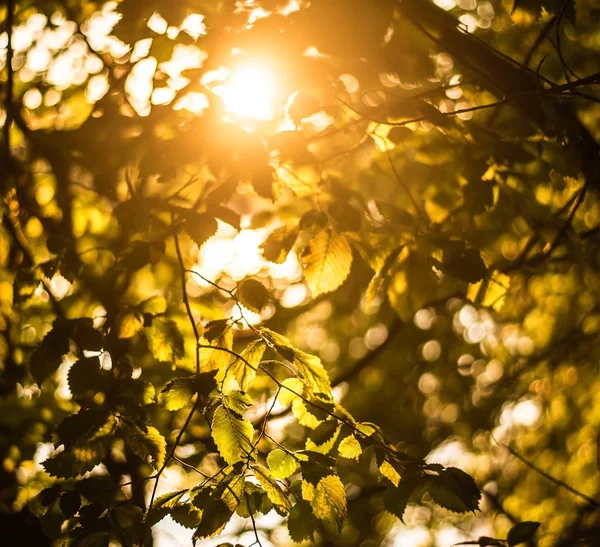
point(249, 91)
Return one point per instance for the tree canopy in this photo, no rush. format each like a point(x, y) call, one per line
point(321, 272)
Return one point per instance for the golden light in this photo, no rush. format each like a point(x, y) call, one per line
point(250, 91)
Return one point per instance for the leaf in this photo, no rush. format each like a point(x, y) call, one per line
point(382, 278)
point(179, 392)
point(85, 375)
point(239, 371)
point(389, 472)
point(350, 448)
point(146, 444)
point(329, 501)
point(48, 356)
point(165, 341)
point(253, 295)
point(213, 520)
point(163, 505)
point(302, 106)
point(186, 515)
point(466, 265)
point(78, 459)
point(454, 490)
point(272, 489)
point(215, 359)
point(279, 244)
point(281, 464)
point(232, 435)
point(522, 532)
point(69, 503)
point(395, 499)
point(327, 262)
point(86, 336)
point(81, 426)
point(323, 438)
point(302, 523)
point(309, 366)
point(200, 227)
point(238, 401)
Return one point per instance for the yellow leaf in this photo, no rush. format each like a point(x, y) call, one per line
point(253, 295)
point(350, 448)
point(232, 435)
point(329, 501)
point(281, 464)
point(389, 472)
point(327, 263)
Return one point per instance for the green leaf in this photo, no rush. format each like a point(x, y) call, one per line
point(78, 459)
point(322, 439)
point(302, 523)
point(215, 359)
point(279, 244)
point(327, 262)
point(200, 227)
point(253, 295)
point(382, 278)
point(82, 426)
point(85, 376)
point(272, 489)
point(281, 464)
point(179, 392)
point(239, 373)
point(395, 499)
point(186, 515)
point(465, 264)
point(522, 532)
point(329, 501)
point(453, 489)
point(146, 444)
point(232, 434)
point(48, 356)
point(213, 520)
point(350, 448)
point(309, 366)
point(165, 341)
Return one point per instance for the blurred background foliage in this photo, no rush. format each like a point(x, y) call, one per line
point(445, 153)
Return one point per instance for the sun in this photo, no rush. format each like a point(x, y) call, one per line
point(250, 92)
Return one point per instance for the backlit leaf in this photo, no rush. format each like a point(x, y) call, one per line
point(253, 295)
point(281, 464)
point(327, 262)
point(232, 435)
point(522, 532)
point(350, 448)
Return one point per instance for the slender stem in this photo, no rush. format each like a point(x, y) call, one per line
point(8, 101)
point(186, 301)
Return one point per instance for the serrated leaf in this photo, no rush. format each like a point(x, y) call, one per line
point(239, 373)
point(281, 464)
point(186, 515)
point(389, 472)
point(234, 492)
point(327, 262)
point(454, 490)
point(78, 459)
point(382, 278)
point(232, 435)
point(48, 356)
point(329, 501)
point(238, 401)
point(253, 295)
point(302, 523)
point(213, 520)
point(215, 359)
point(200, 227)
point(85, 375)
point(279, 244)
point(350, 448)
point(322, 439)
point(395, 499)
point(179, 392)
point(522, 532)
point(163, 505)
point(309, 366)
point(146, 444)
point(82, 426)
point(86, 336)
point(271, 488)
point(165, 341)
